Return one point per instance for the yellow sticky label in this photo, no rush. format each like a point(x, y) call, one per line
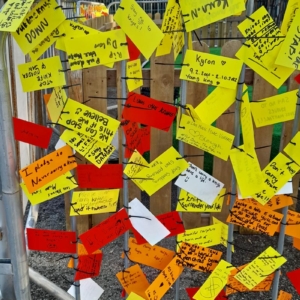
point(289, 53)
point(289, 15)
point(190, 203)
point(56, 103)
point(178, 39)
point(224, 232)
point(170, 23)
point(41, 74)
point(96, 49)
point(161, 171)
point(276, 109)
point(218, 278)
point(134, 296)
point(211, 108)
point(94, 202)
point(94, 151)
point(262, 266)
point(38, 24)
point(134, 74)
point(247, 171)
point(88, 121)
point(211, 69)
point(205, 137)
point(191, 111)
point(139, 27)
point(58, 186)
point(12, 14)
point(292, 149)
point(200, 13)
point(275, 176)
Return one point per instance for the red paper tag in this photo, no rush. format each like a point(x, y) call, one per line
point(148, 111)
point(170, 220)
point(107, 177)
point(294, 277)
point(88, 266)
point(144, 146)
point(32, 133)
point(192, 291)
point(134, 52)
point(105, 232)
point(51, 240)
point(297, 78)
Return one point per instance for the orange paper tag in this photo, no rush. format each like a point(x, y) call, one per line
point(284, 296)
point(279, 201)
point(293, 224)
point(296, 243)
point(81, 251)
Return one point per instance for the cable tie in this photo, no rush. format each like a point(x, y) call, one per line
point(138, 107)
point(166, 64)
point(64, 71)
point(185, 156)
point(58, 36)
point(75, 242)
point(197, 38)
point(138, 78)
point(133, 163)
point(246, 45)
point(241, 82)
point(70, 282)
point(270, 257)
point(127, 207)
point(108, 98)
point(239, 100)
point(293, 143)
point(123, 44)
point(75, 17)
point(121, 7)
point(250, 18)
point(75, 210)
point(68, 86)
point(262, 147)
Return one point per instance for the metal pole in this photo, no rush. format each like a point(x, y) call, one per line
point(280, 246)
point(237, 115)
point(10, 186)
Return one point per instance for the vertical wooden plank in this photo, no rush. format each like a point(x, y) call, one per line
point(234, 29)
point(161, 88)
point(196, 93)
point(212, 34)
point(223, 32)
point(222, 170)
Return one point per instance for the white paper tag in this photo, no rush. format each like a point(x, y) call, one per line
point(89, 290)
point(143, 221)
point(60, 143)
point(199, 183)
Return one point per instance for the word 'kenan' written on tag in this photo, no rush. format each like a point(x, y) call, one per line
point(148, 111)
point(94, 202)
point(205, 137)
point(32, 133)
point(255, 217)
point(107, 177)
point(189, 202)
point(88, 121)
point(58, 186)
point(48, 168)
point(56, 103)
point(211, 69)
point(41, 74)
point(94, 151)
point(88, 266)
point(199, 183)
point(51, 240)
point(38, 24)
point(105, 232)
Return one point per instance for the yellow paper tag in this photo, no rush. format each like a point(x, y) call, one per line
point(94, 151)
point(41, 74)
point(289, 53)
point(58, 186)
point(178, 39)
point(94, 202)
point(289, 15)
point(38, 24)
point(211, 69)
point(96, 49)
point(190, 203)
point(200, 13)
point(190, 40)
point(292, 149)
point(161, 171)
point(134, 296)
point(276, 109)
point(170, 23)
point(211, 108)
point(218, 278)
point(13, 13)
point(260, 268)
point(139, 27)
point(56, 103)
point(247, 171)
point(224, 232)
point(134, 74)
point(89, 121)
point(205, 137)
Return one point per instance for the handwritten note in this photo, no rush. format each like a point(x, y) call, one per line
point(224, 232)
point(198, 14)
point(56, 103)
point(293, 218)
point(163, 282)
point(107, 177)
point(153, 256)
point(80, 251)
point(134, 74)
point(284, 296)
point(178, 39)
point(48, 168)
point(94, 151)
point(32, 133)
point(294, 279)
point(275, 175)
point(105, 232)
point(289, 15)
point(205, 137)
point(41, 74)
point(161, 171)
point(293, 147)
point(51, 240)
point(188, 202)
point(139, 27)
point(211, 69)
point(261, 267)
point(133, 280)
point(276, 109)
point(88, 266)
point(89, 290)
point(38, 24)
point(58, 186)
